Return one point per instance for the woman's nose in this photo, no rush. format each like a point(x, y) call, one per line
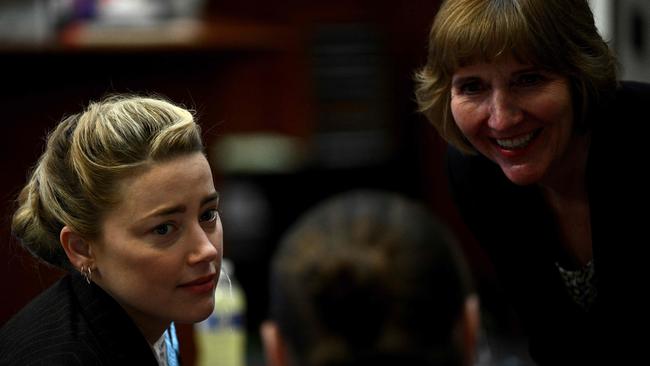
point(505, 111)
point(202, 247)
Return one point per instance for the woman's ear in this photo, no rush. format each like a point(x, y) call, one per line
point(275, 349)
point(470, 325)
point(76, 248)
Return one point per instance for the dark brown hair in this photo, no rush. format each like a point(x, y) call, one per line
point(365, 274)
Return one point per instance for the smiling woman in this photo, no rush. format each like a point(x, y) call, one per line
point(544, 165)
point(123, 198)
point(518, 116)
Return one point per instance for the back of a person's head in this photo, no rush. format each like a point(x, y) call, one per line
point(369, 278)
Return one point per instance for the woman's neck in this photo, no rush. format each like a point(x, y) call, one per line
point(152, 333)
point(566, 178)
point(566, 194)
point(152, 327)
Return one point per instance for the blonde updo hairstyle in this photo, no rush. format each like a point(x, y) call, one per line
point(556, 35)
point(75, 181)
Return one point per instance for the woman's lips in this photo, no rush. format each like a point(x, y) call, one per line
point(200, 285)
point(518, 142)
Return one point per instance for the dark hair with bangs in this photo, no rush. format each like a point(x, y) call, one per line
point(556, 35)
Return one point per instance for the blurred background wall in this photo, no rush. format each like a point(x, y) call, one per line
point(298, 100)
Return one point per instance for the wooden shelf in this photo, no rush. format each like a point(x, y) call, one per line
point(182, 35)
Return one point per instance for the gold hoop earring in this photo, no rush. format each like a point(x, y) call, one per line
point(87, 272)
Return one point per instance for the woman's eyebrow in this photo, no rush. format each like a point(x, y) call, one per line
point(459, 81)
point(212, 197)
point(170, 210)
point(526, 70)
point(164, 211)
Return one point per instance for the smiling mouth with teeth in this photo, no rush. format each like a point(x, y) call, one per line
point(517, 142)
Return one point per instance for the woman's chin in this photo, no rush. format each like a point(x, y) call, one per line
point(521, 176)
point(195, 315)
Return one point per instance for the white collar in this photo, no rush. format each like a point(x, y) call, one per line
point(160, 350)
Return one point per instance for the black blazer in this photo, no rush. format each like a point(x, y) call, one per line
point(73, 323)
point(520, 235)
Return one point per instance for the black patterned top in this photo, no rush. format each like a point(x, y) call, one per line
point(581, 284)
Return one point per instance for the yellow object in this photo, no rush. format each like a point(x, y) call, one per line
point(221, 338)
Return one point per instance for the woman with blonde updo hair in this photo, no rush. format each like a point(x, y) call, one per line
point(123, 199)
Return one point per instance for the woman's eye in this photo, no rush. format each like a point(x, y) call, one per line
point(163, 229)
point(472, 87)
point(209, 215)
point(528, 79)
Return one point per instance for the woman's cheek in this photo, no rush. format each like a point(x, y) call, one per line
point(463, 114)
